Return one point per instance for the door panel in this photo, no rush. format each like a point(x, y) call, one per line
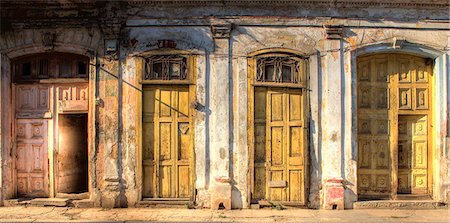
point(167, 143)
point(413, 154)
point(279, 145)
point(31, 158)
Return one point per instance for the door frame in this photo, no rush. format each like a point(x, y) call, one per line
point(191, 83)
point(8, 88)
point(90, 128)
point(52, 131)
point(251, 84)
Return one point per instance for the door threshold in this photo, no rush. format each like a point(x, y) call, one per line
point(277, 204)
point(42, 202)
point(414, 197)
point(399, 204)
point(166, 199)
point(165, 202)
point(57, 202)
point(73, 196)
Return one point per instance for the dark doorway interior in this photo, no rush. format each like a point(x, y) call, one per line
point(72, 154)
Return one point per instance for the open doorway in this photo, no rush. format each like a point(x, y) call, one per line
point(72, 154)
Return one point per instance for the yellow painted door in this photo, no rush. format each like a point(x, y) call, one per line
point(167, 144)
point(392, 157)
point(412, 155)
point(279, 145)
point(31, 158)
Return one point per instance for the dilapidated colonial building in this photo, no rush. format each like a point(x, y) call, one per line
point(318, 103)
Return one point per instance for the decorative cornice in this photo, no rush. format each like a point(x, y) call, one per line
point(49, 5)
point(336, 3)
point(343, 3)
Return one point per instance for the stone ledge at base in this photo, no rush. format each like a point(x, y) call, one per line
point(84, 203)
point(398, 204)
point(165, 203)
point(56, 202)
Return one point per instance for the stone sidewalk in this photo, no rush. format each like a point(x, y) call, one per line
point(60, 214)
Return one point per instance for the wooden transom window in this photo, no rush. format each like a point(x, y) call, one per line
point(166, 68)
point(50, 65)
point(281, 69)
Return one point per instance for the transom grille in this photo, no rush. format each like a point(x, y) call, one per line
point(166, 67)
point(280, 69)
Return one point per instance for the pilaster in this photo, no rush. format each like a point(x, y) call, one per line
point(333, 119)
point(108, 107)
point(220, 117)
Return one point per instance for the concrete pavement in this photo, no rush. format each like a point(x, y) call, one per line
point(66, 214)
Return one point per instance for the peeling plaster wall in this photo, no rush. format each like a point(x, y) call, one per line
point(240, 162)
point(108, 133)
point(26, 41)
point(131, 91)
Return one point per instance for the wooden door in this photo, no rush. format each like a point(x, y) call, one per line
point(31, 158)
point(392, 157)
point(373, 127)
point(280, 141)
point(167, 142)
point(412, 155)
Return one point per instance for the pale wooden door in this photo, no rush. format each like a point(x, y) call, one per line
point(280, 141)
point(31, 158)
point(412, 155)
point(167, 142)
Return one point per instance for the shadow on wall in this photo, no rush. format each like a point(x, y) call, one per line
point(192, 39)
point(315, 153)
point(236, 196)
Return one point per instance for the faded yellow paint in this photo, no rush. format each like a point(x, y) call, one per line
point(279, 145)
point(167, 142)
point(391, 89)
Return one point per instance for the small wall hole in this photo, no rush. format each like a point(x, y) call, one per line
point(334, 206)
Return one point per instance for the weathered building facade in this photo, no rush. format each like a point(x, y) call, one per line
point(225, 103)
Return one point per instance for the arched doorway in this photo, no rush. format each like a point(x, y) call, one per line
point(168, 91)
point(278, 127)
point(394, 117)
point(50, 125)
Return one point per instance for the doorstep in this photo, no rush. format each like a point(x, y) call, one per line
point(55, 202)
point(165, 203)
point(398, 204)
